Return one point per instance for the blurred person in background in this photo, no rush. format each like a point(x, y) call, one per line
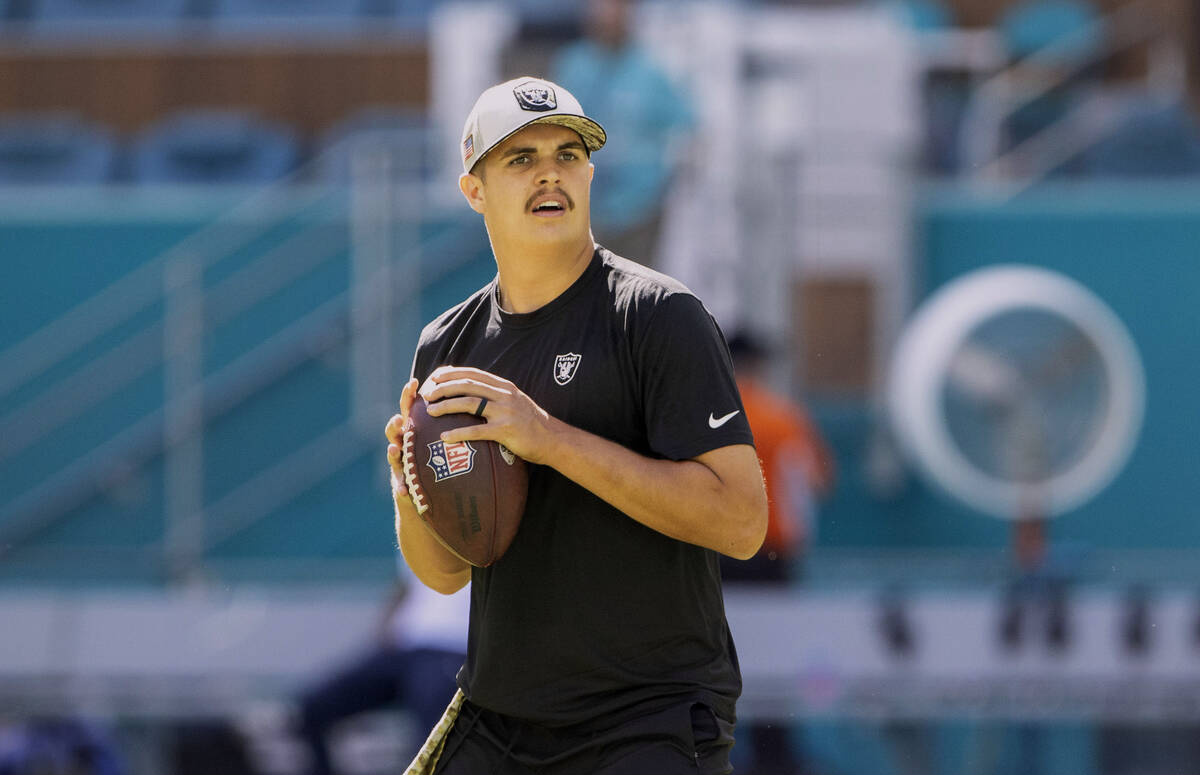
point(796, 462)
point(798, 469)
point(57, 747)
point(420, 645)
point(649, 121)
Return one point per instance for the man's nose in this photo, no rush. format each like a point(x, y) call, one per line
point(548, 173)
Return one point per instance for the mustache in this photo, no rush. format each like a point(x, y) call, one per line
point(543, 192)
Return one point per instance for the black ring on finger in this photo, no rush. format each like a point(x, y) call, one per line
point(479, 409)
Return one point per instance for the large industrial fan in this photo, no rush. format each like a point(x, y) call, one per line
point(1017, 391)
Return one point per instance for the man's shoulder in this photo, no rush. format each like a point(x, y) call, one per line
point(632, 282)
point(650, 300)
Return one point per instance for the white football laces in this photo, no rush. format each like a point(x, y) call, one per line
point(410, 474)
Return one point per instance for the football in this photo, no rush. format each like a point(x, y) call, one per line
point(471, 494)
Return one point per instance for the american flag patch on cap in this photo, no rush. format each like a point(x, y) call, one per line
point(468, 147)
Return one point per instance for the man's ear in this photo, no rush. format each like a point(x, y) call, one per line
point(591, 171)
point(471, 187)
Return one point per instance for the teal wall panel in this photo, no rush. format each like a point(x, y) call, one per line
point(1138, 249)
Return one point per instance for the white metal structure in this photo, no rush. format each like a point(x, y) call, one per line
point(935, 352)
point(803, 161)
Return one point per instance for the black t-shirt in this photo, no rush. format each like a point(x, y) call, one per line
point(591, 615)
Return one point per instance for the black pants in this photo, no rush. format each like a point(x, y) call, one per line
point(687, 738)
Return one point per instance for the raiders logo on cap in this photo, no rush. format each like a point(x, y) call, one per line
point(535, 95)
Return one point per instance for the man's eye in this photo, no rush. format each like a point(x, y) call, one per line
point(567, 156)
point(522, 159)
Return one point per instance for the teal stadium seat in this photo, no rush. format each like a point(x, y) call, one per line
point(54, 148)
point(236, 15)
point(1061, 36)
point(1035, 25)
point(944, 96)
point(404, 133)
point(51, 13)
point(548, 19)
point(1155, 140)
point(922, 15)
point(413, 14)
point(213, 146)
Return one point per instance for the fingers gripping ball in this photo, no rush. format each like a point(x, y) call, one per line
point(470, 493)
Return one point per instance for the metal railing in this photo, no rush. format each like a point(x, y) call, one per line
point(325, 225)
point(983, 157)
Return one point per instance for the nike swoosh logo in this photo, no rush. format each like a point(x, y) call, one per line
point(717, 422)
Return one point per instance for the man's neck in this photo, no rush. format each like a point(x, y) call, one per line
point(531, 279)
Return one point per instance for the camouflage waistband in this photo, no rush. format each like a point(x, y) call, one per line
point(427, 758)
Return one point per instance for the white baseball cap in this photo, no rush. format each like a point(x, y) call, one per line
point(508, 107)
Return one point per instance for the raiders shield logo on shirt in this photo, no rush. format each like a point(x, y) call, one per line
point(534, 95)
point(565, 367)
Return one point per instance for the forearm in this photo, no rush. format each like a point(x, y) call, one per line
point(684, 499)
point(432, 563)
point(716, 500)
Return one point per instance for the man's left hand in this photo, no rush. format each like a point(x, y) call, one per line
point(513, 418)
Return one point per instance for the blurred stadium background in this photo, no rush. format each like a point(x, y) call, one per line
point(223, 223)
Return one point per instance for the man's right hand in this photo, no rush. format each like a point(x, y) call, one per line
point(395, 436)
point(433, 564)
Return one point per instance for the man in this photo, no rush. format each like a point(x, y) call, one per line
point(598, 643)
point(798, 468)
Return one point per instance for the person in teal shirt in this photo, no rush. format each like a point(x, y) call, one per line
point(630, 93)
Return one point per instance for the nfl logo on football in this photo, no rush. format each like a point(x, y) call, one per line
point(448, 460)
